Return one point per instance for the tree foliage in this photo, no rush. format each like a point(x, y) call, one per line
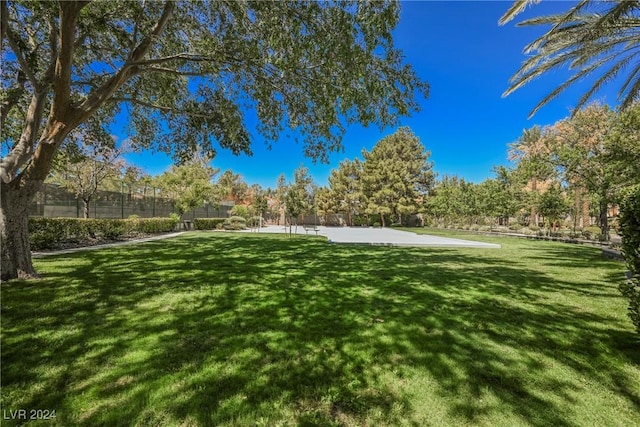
point(553, 205)
point(579, 147)
point(395, 175)
point(189, 185)
point(86, 162)
point(233, 187)
point(299, 194)
point(630, 230)
point(189, 74)
point(592, 38)
point(345, 189)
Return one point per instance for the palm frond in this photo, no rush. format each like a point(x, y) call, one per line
point(516, 8)
point(591, 37)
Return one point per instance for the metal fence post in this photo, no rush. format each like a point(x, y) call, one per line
point(122, 199)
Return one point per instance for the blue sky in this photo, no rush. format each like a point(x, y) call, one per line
point(458, 47)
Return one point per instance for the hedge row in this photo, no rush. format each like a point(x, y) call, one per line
point(629, 221)
point(231, 223)
point(208, 223)
point(47, 233)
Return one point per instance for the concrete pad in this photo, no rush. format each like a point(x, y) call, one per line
point(379, 236)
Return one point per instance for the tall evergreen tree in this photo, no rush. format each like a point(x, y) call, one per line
point(396, 174)
point(345, 184)
point(325, 204)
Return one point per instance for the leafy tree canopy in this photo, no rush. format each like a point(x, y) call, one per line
point(188, 72)
point(189, 184)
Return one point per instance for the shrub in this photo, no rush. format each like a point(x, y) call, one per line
point(376, 224)
point(49, 233)
point(235, 223)
point(149, 225)
point(208, 223)
point(629, 222)
point(360, 220)
point(45, 233)
point(591, 232)
point(240, 211)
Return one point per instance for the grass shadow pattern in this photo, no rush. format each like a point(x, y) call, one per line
point(228, 329)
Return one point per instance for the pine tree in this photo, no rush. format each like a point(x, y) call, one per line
point(345, 185)
point(396, 174)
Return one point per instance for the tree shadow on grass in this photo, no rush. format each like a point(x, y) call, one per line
point(243, 329)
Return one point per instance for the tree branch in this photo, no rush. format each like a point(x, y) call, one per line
point(10, 36)
point(12, 97)
point(22, 150)
point(163, 108)
point(66, 42)
point(106, 90)
point(169, 71)
point(180, 56)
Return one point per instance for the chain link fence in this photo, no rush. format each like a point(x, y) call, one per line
point(53, 201)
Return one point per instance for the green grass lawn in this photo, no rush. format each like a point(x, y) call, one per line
point(245, 329)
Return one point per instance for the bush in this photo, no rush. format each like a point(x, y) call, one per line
point(208, 223)
point(149, 225)
point(46, 233)
point(629, 222)
point(49, 233)
point(376, 224)
point(591, 233)
point(360, 220)
point(240, 211)
point(235, 223)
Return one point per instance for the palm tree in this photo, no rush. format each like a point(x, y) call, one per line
point(593, 38)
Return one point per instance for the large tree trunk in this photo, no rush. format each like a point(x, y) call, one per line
point(586, 210)
point(533, 218)
point(14, 230)
point(604, 219)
